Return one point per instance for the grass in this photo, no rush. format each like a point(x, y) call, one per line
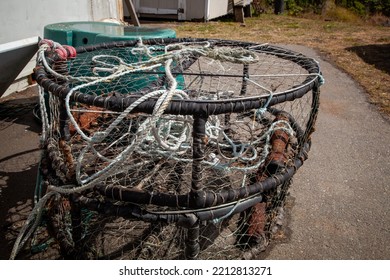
point(331, 38)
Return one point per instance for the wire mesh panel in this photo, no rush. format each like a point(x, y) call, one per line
point(170, 148)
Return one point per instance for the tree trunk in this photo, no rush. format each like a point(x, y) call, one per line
point(278, 7)
point(327, 6)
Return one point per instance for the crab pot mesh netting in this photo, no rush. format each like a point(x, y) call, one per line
point(169, 148)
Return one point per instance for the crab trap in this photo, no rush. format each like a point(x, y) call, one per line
point(169, 148)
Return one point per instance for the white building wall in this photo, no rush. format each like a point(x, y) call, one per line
point(20, 19)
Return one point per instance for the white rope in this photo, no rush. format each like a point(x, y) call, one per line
point(43, 114)
point(32, 223)
point(149, 125)
point(227, 167)
point(169, 137)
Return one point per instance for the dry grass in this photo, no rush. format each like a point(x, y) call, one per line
point(331, 38)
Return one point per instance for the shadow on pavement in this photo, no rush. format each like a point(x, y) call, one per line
point(377, 55)
point(19, 158)
point(17, 192)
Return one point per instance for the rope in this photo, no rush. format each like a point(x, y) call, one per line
point(154, 128)
point(218, 220)
point(150, 126)
point(278, 125)
point(44, 115)
point(171, 136)
point(32, 222)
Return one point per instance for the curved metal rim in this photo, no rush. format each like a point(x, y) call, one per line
point(189, 107)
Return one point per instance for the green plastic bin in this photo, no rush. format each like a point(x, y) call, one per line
point(84, 33)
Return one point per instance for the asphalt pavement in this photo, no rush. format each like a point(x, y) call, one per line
point(341, 194)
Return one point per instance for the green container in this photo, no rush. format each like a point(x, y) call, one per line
point(85, 33)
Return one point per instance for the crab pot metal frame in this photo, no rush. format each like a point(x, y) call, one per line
point(200, 204)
